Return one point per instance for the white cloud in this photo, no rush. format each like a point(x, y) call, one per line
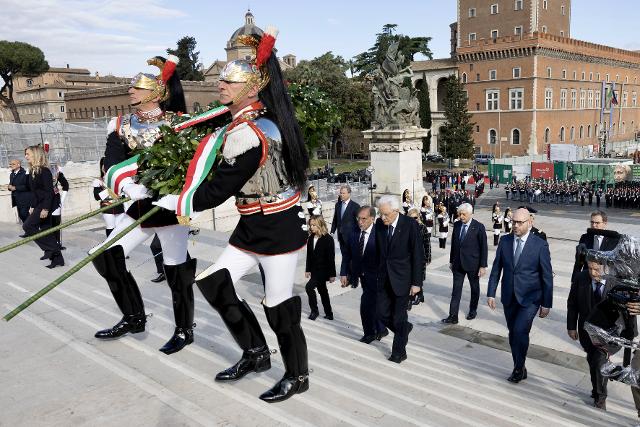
point(106, 36)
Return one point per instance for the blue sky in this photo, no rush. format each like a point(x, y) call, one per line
point(117, 36)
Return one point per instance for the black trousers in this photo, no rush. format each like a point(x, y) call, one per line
point(519, 320)
point(156, 250)
point(23, 212)
point(595, 359)
point(456, 293)
point(371, 325)
point(55, 221)
point(392, 312)
point(34, 225)
point(321, 286)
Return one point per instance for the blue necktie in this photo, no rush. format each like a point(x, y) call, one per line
point(344, 208)
point(463, 232)
point(516, 255)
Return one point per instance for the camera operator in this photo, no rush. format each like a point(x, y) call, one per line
point(587, 290)
point(634, 310)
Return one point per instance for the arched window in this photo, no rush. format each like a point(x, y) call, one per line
point(515, 137)
point(595, 130)
point(623, 129)
point(588, 131)
point(493, 136)
point(581, 132)
point(562, 134)
point(572, 133)
point(464, 77)
point(547, 133)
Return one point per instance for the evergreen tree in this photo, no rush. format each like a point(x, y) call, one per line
point(425, 111)
point(18, 58)
point(188, 68)
point(456, 134)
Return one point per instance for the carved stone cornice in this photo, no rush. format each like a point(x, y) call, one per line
point(395, 147)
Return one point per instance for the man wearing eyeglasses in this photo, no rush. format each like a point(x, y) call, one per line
point(524, 261)
point(593, 241)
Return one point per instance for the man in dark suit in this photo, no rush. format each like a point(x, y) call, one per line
point(401, 259)
point(587, 290)
point(19, 187)
point(468, 257)
point(344, 219)
point(360, 261)
point(524, 262)
point(532, 217)
point(593, 241)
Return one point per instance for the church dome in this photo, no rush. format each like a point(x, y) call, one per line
point(248, 28)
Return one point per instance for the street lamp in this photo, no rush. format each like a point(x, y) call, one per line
point(372, 186)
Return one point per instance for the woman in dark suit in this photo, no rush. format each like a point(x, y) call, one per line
point(321, 266)
point(41, 185)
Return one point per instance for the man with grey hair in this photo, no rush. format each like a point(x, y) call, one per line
point(344, 220)
point(468, 257)
point(401, 259)
point(19, 187)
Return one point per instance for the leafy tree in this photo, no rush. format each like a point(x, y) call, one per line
point(457, 131)
point(18, 58)
point(366, 62)
point(188, 68)
point(316, 114)
point(425, 111)
point(351, 98)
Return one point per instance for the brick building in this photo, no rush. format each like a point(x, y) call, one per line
point(530, 84)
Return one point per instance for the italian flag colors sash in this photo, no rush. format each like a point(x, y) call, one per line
point(121, 173)
point(207, 115)
point(198, 170)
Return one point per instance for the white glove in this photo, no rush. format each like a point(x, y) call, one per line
point(97, 183)
point(136, 191)
point(169, 202)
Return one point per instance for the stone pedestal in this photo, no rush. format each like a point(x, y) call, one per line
point(396, 156)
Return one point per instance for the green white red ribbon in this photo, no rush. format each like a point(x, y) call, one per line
point(121, 173)
point(198, 170)
point(207, 115)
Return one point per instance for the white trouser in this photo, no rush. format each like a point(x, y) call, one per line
point(279, 271)
point(496, 231)
point(110, 220)
point(173, 239)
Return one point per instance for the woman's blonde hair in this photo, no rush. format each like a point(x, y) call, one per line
point(320, 223)
point(39, 158)
point(415, 211)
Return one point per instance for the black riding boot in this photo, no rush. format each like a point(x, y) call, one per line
point(284, 319)
point(218, 290)
point(496, 239)
point(180, 279)
point(111, 265)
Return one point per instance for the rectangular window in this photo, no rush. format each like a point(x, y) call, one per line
point(574, 97)
point(518, 30)
point(590, 99)
point(563, 99)
point(494, 34)
point(472, 12)
point(634, 99)
point(493, 97)
point(516, 97)
point(598, 77)
point(472, 38)
point(544, 28)
point(564, 74)
point(548, 98)
point(59, 94)
point(625, 95)
point(597, 98)
point(516, 72)
point(548, 72)
point(494, 9)
point(590, 77)
point(583, 75)
point(493, 74)
point(62, 108)
point(517, 5)
point(583, 99)
point(477, 77)
point(562, 9)
point(545, 4)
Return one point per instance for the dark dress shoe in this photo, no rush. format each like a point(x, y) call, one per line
point(382, 334)
point(600, 403)
point(161, 278)
point(329, 316)
point(367, 339)
point(472, 315)
point(518, 375)
point(452, 320)
point(397, 359)
point(45, 256)
point(56, 261)
point(253, 360)
point(181, 338)
point(132, 324)
point(285, 388)
point(313, 315)
point(354, 285)
point(23, 235)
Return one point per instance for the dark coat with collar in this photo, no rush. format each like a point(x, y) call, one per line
point(401, 258)
point(608, 243)
point(347, 223)
point(21, 196)
point(580, 304)
point(321, 261)
point(355, 264)
point(470, 254)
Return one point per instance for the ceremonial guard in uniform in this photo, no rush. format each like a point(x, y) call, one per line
point(497, 217)
point(264, 162)
point(154, 97)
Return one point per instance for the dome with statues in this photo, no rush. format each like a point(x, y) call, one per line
point(249, 27)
